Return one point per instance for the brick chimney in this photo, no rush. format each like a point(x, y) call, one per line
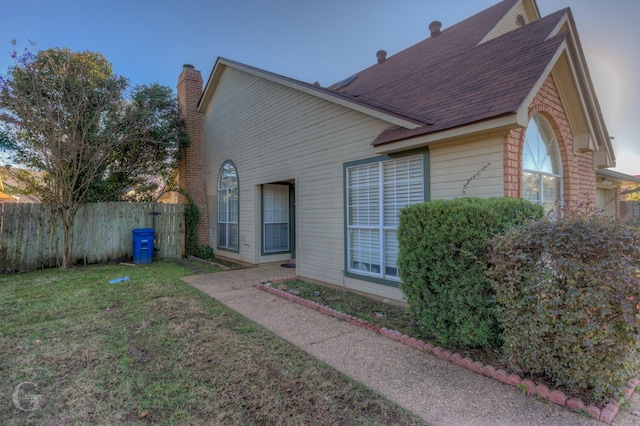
point(191, 166)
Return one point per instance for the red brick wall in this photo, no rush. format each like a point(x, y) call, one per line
point(578, 172)
point(191, 167)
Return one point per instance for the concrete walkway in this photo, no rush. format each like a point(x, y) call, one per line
point(436, 390)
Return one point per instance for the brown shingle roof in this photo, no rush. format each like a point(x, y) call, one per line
point(453, 80)
point(452, 41)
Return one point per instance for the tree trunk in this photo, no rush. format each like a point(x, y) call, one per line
point(68, 216)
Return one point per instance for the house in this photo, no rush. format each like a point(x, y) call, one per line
point(4, 197)
point(11, 189)
point(498, 105)
point(612, 189)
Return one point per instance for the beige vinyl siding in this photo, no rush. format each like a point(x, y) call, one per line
point(606, 201)
point(276, 134)
point(453, 164)
point(386, 292)
point(508, 22)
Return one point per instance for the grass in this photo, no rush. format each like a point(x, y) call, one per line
point(383, 314)
point(153, 350)
point(396, 317)
point(378, 312)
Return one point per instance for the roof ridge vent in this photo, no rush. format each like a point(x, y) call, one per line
point(435, 27)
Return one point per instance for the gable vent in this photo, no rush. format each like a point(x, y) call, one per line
point(520, 21)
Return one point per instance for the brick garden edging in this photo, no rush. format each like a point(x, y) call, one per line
point(606, 414)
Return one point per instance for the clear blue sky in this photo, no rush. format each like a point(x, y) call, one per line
point(149, 41)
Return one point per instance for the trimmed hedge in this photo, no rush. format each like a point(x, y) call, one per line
point(443, 258)
point(568, 296)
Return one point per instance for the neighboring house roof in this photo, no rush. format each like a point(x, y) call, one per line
point(472, 77)
point(6, 198)
point(617, 177)
point(11, 185)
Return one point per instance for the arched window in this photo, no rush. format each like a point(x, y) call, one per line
point(228, 206)
point(541, 165)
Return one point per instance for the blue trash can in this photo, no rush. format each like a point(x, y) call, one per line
point(143, 245)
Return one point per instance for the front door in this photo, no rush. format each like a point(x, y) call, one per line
point(277, 220)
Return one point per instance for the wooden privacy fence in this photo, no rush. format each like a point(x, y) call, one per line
point(31, 235)
point(630, 208)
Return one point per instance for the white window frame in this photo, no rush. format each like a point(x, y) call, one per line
point(553, 144)
point(228, 209)
point(383, 224)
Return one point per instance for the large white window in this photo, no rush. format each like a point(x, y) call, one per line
point(228, 207)
point(375, 194)
point(541, 165)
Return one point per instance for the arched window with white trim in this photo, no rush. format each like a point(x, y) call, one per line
point(541, 165)
point(228, 206)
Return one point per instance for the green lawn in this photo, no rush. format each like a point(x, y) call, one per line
point(152, 350)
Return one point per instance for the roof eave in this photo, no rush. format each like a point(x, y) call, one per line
point(617, 177)
point(212, 81)
point(495, 127)
point(587, 90)
point(603, 153)
point(336, 98)
point(523, 109)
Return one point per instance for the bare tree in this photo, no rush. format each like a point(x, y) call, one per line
point(65, 114)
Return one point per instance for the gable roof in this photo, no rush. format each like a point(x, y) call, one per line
point(479, 75)
point(452, 41)
point(476, 74)
point(367, 106)
point(455, 79)
point(487, 81)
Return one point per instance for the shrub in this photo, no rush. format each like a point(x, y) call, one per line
point(191, 218)
point(443, 258)
point(568, 295)
point(205, 252)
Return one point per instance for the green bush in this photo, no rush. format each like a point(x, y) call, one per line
point(568, 296)
point(205, 252)
point(191, 218)
point(443, 259)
